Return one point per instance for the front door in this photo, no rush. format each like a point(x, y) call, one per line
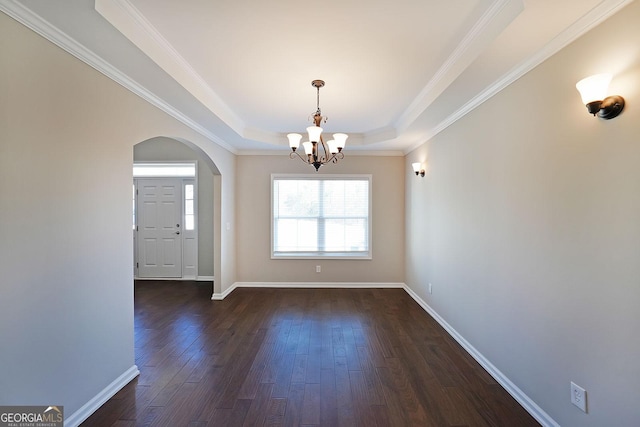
point(159, 231)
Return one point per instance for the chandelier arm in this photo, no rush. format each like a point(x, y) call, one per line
point(291, 156)
point(325, 149)
point(336, 156)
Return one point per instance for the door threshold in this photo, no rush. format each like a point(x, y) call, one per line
point(184, 279)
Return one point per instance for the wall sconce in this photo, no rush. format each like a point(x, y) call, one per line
point(417, 168)
point(593, 91)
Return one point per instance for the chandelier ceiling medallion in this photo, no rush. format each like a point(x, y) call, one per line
point(331, 150)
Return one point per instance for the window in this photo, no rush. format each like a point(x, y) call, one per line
point(328, 217)
point(189, 208)
point(157, 170)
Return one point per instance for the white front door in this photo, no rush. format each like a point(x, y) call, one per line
point(159, 227)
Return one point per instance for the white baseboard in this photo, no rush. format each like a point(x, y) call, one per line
point(292, 285)
point(205, 278)
point(75, 419)
point(525, 401)
point(223, 295)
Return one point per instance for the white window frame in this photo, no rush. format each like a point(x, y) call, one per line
point(317, 255)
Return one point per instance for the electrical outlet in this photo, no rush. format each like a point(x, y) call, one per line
point(318, 269)
point(430, 288)
point(579, 396)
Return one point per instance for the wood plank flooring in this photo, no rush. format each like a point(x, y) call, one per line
point(299, 357)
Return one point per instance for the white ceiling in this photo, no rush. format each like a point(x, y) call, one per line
point(240, 71)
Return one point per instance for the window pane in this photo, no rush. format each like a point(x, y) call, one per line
point(297, 198)
point(346, 198)
point(188, 207)
point(296, 235)
point(344, 235)
point(164, 169)
point(189, 223)
point(188, 191)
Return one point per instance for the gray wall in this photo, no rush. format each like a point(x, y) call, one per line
point(66, 258)
point(528, 227)
point(254, 227)
point(166, 149)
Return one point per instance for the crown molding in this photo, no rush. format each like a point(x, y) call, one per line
point(129, 21)
point(356, 153)
point(500, 14)
point(378, 135)
point(594, 17)
point(29, 19)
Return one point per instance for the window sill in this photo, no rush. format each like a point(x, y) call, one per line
point(341, 256)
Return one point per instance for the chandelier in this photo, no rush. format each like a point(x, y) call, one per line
point(331, 150)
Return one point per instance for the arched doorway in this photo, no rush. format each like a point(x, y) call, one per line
point(208, 188)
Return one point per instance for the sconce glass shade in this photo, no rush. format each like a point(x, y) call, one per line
point(593, 91)
point(340, 139)
point(294, 140)
point(417, 168)
point(314, 133)
point(308, 147)
point(594, 88)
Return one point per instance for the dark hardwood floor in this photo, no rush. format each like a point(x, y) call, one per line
point(299, 357)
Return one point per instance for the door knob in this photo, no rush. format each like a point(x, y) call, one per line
point(177, 232)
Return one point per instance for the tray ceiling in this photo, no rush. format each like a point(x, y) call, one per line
point(240, 71)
